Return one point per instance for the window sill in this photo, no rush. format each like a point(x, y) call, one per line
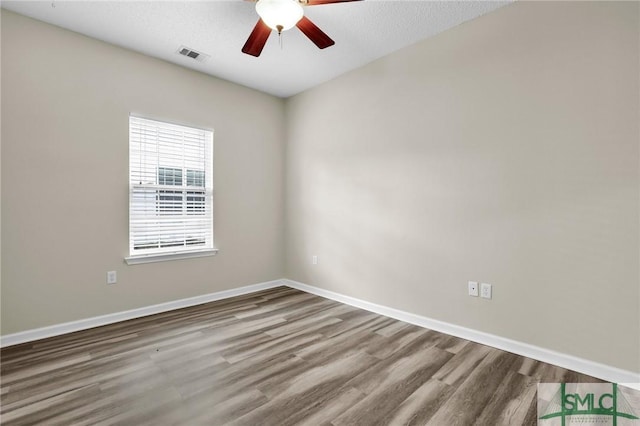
point(163, 257)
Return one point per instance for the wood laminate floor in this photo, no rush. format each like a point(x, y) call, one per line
point(277, 357)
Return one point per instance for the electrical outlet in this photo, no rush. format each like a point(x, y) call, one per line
point(112, 278)
point(473, 288)
point(485, 291)
point(314, 260)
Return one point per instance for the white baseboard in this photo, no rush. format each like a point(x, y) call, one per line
point(83, 324)
point(591, 368)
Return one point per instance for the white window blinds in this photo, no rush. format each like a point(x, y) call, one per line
point(171, 188)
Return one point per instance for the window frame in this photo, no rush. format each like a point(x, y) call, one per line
point(189, 202)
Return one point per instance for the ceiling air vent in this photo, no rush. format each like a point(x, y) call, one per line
point(193, 54)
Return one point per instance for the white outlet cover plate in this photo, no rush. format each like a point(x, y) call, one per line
point(485, 291)
point(473, 288)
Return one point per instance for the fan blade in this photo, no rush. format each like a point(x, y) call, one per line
point(318, 2)
point(314, 33)
point(257, 39)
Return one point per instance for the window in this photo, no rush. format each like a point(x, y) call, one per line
point(171, 190)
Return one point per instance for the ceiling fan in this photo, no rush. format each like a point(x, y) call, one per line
point(281, 15)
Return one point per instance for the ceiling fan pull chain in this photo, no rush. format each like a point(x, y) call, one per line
point(279, 28)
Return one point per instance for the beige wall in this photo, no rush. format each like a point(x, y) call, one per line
point(505, 150)
point(66, 100)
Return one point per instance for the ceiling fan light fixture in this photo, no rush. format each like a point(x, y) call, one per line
point(279, 15)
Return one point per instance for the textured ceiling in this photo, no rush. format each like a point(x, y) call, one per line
point(363, 31)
